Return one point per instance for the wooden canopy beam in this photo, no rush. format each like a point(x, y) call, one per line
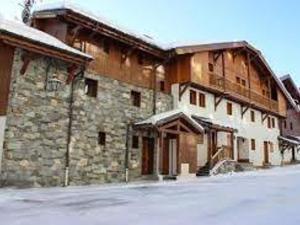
point(217, 55)
point(182, 89)
point(244, 109)
point(264, 116)
point(218, 100)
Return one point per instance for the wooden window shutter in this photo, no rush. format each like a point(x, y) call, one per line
point(193, 97)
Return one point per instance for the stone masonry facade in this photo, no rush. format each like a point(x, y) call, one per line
point(36, 134)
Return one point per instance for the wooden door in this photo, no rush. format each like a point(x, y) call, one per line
point(266, 152)
point(165, 157)
point(293, 154)
point(147, 156)
point(214, 142)
point(6, 63)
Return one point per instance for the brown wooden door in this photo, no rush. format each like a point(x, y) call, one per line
point(266, 152)
point(165, 157)
point(213, 142)
point(6, 61)
point(147, 156)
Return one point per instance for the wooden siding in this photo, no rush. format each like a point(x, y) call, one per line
point(6, 60)
point(121, 62)
point(253, 84)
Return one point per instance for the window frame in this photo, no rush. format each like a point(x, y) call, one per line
point(202, 100)
point(229, 108)
point(136, 98)
point(135, 142)
point(253, 144)
point(193, 97)
point(91, 87)
point(101, 138)
point(252, 116)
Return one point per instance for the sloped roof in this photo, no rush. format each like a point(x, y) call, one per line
point(23, 31)
point(162, 118)
point(289, 78)
point(189, 49)
point(66, 5)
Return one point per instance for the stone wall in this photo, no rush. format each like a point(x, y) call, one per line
point(37, 128)
point(111, 112)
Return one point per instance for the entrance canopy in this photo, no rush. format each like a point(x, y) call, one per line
point(288, 143)
point(172, 119)
point(210, 124)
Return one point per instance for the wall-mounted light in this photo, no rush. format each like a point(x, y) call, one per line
point(54, 83)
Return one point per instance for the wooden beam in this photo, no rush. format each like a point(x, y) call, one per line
point(264, 116)
point(217, 56)
point(218, 100)
point(244, 110)
point(42, 50)
point(182, 89)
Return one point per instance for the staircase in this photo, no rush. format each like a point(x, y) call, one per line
point(204, 171)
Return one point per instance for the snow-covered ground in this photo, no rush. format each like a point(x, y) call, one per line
point(256, 198)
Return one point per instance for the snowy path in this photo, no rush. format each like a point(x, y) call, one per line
point(256, 198)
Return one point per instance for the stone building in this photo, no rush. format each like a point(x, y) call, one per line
point(63, 124)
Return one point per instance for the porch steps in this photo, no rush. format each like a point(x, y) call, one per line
point(169, 177)
point(203, 171)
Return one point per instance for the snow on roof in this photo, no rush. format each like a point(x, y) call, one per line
point(157, 119)
point(23, 31)
point(288, 77)
point(79, 9)
point(292, 141)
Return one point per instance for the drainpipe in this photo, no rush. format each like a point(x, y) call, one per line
point(69, 132)
point(128, 131)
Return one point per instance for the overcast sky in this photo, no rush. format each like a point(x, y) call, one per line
point(270, 25)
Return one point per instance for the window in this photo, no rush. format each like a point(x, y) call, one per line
point(252, 116)
point(106, 47)
point(253, 144)
point(244, 83)
point(273, 123)
point(238, 80)
point(162, 85)
point(91, 87)
point(102, 138)
point(291, 126)
point(211, 67)
point(285, 124)
point(271, 147)
point(202, 100)
point(193, 97)
point(135, 141)
point(136, 98)
point(269, 122)
point(229, 108)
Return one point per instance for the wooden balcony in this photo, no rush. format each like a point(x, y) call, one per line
point(246, 94)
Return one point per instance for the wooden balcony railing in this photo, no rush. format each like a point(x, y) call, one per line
point(224, 153)
point(233, 88)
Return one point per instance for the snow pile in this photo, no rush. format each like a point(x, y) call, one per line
point(21, 30)
point(259, 197)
